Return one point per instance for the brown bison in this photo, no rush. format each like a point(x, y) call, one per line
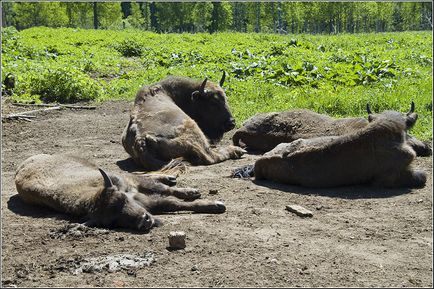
point(179, 118)
point(376, 154)
point(264, 131)
point(75, 186)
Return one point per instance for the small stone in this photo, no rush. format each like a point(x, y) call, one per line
point(213, 192)
point(299, 210)
point(420, 201)
point(194, 268)
point(177, 240)
point(113, 266)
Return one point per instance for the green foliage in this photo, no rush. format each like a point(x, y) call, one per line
point(261, 16)
point(64, 85)
point(333, 74)
point(130, 48)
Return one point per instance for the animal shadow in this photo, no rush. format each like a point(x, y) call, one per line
point(129, 165)
point(344, 192)
point(16, 205)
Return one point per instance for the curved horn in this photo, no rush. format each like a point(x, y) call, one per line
point(107, 181)
point(223, 78)
point(202, 86)
point(412, 108)
point(368, 109)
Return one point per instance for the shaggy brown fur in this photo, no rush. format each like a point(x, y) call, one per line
point(377, 154)
point(75, 186)
point(179, 118)
point(264, 131)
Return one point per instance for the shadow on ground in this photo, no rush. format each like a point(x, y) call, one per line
point(347, 192)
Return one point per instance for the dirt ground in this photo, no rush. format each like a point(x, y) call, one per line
point(357, 237)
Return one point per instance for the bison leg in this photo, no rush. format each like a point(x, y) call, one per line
point(171, 204)
point(406, 178)
point(412, 179)
point(197, 152)
point(214, 155)
point(160, 178)
point(146, 185)
point(422, 149)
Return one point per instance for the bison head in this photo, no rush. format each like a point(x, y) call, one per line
point(211, 110)
point(116, 207)
point(409, 118)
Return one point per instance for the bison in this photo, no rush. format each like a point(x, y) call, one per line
point(179, 118)
point(264, 131)
point(75, 186)
point(377, 154)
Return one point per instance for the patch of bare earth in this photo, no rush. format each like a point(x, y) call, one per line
point(358, 236)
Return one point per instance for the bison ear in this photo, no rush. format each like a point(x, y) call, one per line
point(368, 108)
point(107, 181)
point(410, 120)
point(195, 95)
point(223, 79)
point(411, 108)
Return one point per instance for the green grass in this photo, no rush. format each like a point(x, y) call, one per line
point(335, 74)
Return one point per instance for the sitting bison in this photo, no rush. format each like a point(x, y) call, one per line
point(376, 154)
point(75, 186)
point(264, 131)
point(179, 118)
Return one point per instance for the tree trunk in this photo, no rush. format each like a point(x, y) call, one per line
point(215, 17)
point(279, 17)
point(126, 9)
point(95, 15)
point(153, 15)
point(258, 17)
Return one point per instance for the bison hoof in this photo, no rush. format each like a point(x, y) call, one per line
point(237, 152)
point(219, 207)
point(170, 181)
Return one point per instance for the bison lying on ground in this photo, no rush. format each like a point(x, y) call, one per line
point(376, 154)
point(264, 131)
point(75, 186)
point(178, 118)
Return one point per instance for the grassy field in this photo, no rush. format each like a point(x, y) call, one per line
point(335, 74)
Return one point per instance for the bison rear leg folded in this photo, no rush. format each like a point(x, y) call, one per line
point(406, 178)
point(221, 154)
point(171, 204)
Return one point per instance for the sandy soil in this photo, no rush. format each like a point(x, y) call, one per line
point(357, 237)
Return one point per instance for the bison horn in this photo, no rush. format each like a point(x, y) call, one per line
point(412, 108)
point(202, 86)
point(368, 109)
point(223, 79)
point(107, 181)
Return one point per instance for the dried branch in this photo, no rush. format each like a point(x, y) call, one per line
point(54, 105)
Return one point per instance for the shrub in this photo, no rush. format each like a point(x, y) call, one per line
point(130, 48)
point(64, 85)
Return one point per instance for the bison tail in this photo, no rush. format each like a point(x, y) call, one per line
point(175, 167)
point(246, 171)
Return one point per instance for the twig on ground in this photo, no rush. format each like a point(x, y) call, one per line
point(23, 114)
point(54, 105)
